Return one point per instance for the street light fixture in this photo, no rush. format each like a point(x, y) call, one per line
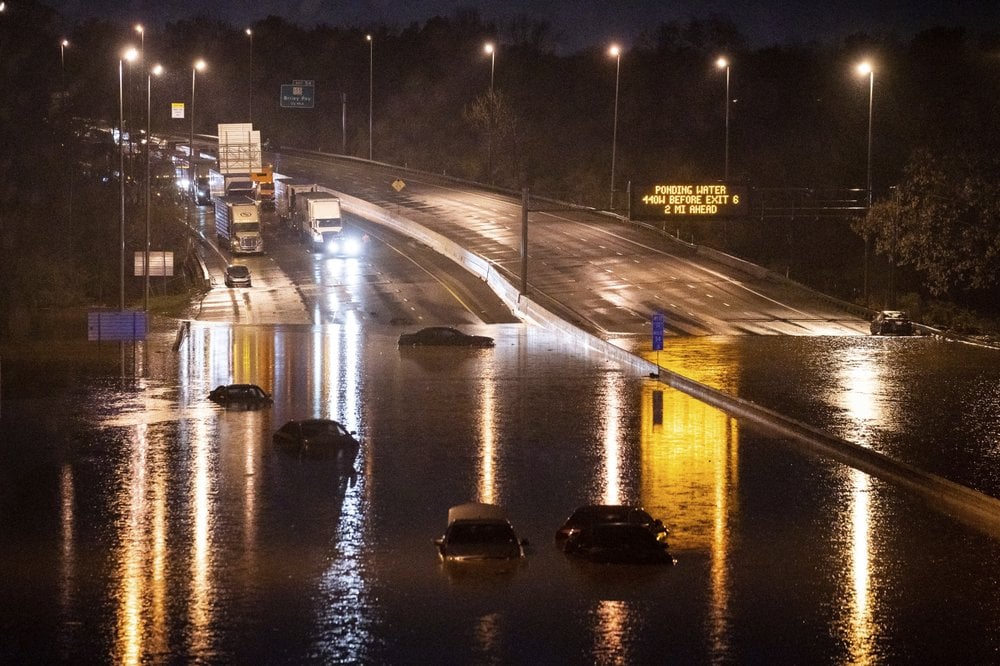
point(130, 54)
point(156, 70)
point(722, 63)
point(616, 53)
point(62, 54)
point(249, 33)
point(371, 89)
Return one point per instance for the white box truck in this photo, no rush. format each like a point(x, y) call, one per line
point(237, 224)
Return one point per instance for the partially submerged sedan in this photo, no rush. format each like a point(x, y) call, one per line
point(479, 532)
point(598, 514)
point(245, 396)
point(443, 336)
point(318, 438)
point(618, 543)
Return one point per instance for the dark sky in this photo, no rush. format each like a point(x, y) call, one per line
point(581, 23)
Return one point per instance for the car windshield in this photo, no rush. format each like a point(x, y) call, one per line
point(480, 533)
point(323, 428)
point(239, 271)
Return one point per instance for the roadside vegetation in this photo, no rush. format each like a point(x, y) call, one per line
point(799, 121)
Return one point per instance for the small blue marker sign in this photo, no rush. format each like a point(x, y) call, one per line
point(659, 322)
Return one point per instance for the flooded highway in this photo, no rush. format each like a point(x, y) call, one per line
point(143, 523)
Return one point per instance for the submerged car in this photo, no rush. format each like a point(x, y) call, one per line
point(597, 514)
point(618, 543)
point(318, 438)
point(443, 336)
point(479, 532)
point(891, 322)
point(241, 395)
point(237, 275)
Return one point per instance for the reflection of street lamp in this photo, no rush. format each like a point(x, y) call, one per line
point(492, 52)
point(250, 35)
point(157, 70)
point(371, 89)
point(722, 63)
point(129, 55)
point(616, 53)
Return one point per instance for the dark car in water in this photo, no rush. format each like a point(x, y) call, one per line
point(240, 395)
point(318, 438)
point(598, 514)
point(238, 275)
point(618, 543)
point(479, 532)
point(443, 336)
point(891, 322)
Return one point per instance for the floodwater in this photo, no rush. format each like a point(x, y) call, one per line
point(142, 523)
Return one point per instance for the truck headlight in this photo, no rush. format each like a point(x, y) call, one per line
point(352, 246)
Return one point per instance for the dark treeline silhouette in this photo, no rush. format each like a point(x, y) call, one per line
point(798, 119)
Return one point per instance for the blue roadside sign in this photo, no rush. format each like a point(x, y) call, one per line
point(659, 323)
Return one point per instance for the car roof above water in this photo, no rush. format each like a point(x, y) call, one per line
point(476, 511)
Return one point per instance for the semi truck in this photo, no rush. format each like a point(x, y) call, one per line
point(237, 223)
point(286, 190)
point(318, 217)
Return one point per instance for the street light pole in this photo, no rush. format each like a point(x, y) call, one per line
point(722, 63)
point(866, 68)
point(157, 70)
point(492, 52)
point(198, 65)
point(129, 55)
point(250, 35)
point(617, 54)
point(371, 90)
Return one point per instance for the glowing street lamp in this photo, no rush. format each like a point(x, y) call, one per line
point(722, 63)
point(616, 53)
point(62, 54)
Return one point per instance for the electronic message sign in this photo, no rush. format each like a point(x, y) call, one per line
point(692, 200)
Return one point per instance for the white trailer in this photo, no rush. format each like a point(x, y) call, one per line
point(286, 190)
